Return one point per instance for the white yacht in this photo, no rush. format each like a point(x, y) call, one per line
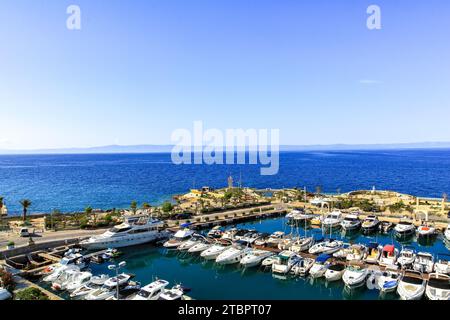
point(388, 255)
point(327, 246)
point(351, 222)
point(234, 254)
point(275, 239)
point(213, 252)
point(215, 232)
point(404, 228)
point(332, 220)
point(320, 266)
point(424, 262)
point(255, 257)
point(284, 262)
point(201, 245)
point(151, 291)
point(175, 293)
point(388, 281)
point(229, 234)
point(335, 272)
point(95, 283)
point(77, 281)
point(64, 278)
point(354, 276)
point(185, 246)
point(303, 266)
point(370, 224)
point(406, 257)
point(442, 264)
point(181, 236)
point(438, 287)
point(426, 230)
point(302, 244)
point(109, 288)
point(133, 231)
point(411, 286)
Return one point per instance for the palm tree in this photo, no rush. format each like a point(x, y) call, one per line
point(1, 207)
point(25, 204)
point(133, 206)
point(88, 212)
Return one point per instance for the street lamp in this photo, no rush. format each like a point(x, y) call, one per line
point(117, 268)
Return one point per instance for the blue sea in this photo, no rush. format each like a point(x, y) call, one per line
point(72, 182)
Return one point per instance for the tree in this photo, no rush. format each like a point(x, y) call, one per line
point(25, 205)
point(146, 206)
point(133, 206)
point(167, 207)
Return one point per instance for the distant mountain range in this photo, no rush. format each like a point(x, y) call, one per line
point(168, 148)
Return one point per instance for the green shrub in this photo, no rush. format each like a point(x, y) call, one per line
point(7, 280)
point(31, 294)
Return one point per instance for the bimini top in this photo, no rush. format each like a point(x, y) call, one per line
point(322, 258)
point(389, 248)
point(186, 225)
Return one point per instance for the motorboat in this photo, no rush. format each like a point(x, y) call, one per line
point(327, 246)
point(357, 252)
point(302, 268)
point(320, 266)
point(302, 217)
point(212, 252)
point(343, 252)
point(332, 220)
point(406, 257)
point(287, 242)
point(268, 262)
point(201, 245)
point(250, 237)
point(175, 293)
point(335, 272)
point(186, 245)
point(151, 291)
point(411, 285)
point(255, 257)
point(316, 220)
point(424, 262)
point(404, 228)
point(262, 240)
point(373, 253)
point(79, 280)
point(447, 233)
point(58, 271)
point(351, 222)
point(438, 287)
point(234, 254)
point(354, 276)
point(370, 224)
point(388, 281)
point(426, 231)
point(241, 233)
point(215, 232)
point(181, 236)
point(442, 264)
point(66, 277)
point(302, 244)
point(133, 231)
point(109, 288)
point(388, 255)
point(229, 234)
point(284, 262)
point(75, 259)
point(93, 284)
point(275, 239)
point(386, 226)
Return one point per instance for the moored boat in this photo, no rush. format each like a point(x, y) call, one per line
point(370, 224)
point(438, 287)
point(424, 262)
point(411, 285)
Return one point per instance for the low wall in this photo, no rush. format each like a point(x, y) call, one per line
point(36, 247)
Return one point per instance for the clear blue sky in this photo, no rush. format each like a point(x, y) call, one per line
point(140, 69)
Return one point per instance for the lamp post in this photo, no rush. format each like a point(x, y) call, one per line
point(117, 268)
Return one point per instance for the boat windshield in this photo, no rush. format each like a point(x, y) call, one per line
point(443, 284)
point(119, 230)
point(412, 280)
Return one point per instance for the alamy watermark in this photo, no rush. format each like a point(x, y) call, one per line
point(374, 19)
point(73, 22)
point(231, 146)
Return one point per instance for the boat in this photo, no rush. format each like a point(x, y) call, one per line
point(388, 255)
point(234, 254)
point(151, 291)
point(79, 280)
point(178, 238)
point(357, 252)
point(332, 220)
point(442, 264)
point(287, 242)
point(424, 262)
point(370, 224)
point(93, 284)
point(65, 278)
point(255, 257)
point(250, 237)
point(284, 262)
point(320, 266)
point(354, 276)
point(201, 245)
point(447, 233)
point(134, 230)
point(411, 285)
point(327, 246)
point(386, 226)
point(229, 234)
point(406, 257)
point(275, 239)
point(302, 268)
point(212, 252)
point(438, 287)
point(175, 293)
point(75, 259)
point(215, 232)
point(241, 233)
point(351, 222)
point(404, 228)
point(109, 288)
point(186, 245)
point(262, 240)
point(268, 262)
point(302, 244)
point(373, 253)
point(302, 217)
point(335, 272)
point(426, 231)
point(388, 281)
point(316, 220)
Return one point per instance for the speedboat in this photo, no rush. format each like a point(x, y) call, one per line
point(316, 220)
point(262, 240)
point(370, 224)
point(404, 228)
point(388, 281)
point(58, 271)
point(229, 234)
point(354, 276)
point(151, 291)
point(335, 272)
point(406, 257)
point(411, 285)
point(287, 242)
point(275, 239)
point(185, 246)
point(234, 254)
point(388, 256)
point(285, 261)
point(351, 222)
point(302, 268)
point(181, 236)
point(75, 259)
point(241, 233)
point(133, 231)
point(201, 245)
point(424, 262)
point(255, 257)
point(215, 232)
point(79, 280)
point(175, 293)
point(386, 226)
point(268, 262)
point(438, 287)
point(332, 220)
point(327, 246)
point(320, 266)
point(373, 253)
point(302, 217)
point(95, 283)
point(64, 278)
point(426, 231)
point(302, 244)
point(250, 237)
point(212, 252)
point(109, 288)
point(442, 265)
point(357, 252)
